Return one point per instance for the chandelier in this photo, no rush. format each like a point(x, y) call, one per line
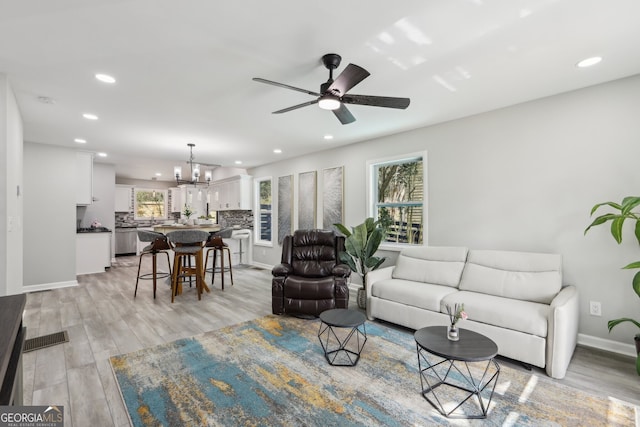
point(195, 172)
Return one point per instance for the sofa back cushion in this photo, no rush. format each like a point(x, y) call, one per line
point(524, 276)
point(431, 264)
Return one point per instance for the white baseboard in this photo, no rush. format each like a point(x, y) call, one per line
point(608, 345)
point(261, 265)
point(48, 286)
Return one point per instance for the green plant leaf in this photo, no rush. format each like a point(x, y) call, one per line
point(613, 323)
point(344, 230)
point(637, 231)
point(628, 203)
point(345, 258)
point(616, 229)
point(636, 283)
point(601, 220)
point(632, 265)
point(612, 204)
point(373, 243)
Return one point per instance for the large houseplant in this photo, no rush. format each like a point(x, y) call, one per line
point(623, 212)
point(361, 243)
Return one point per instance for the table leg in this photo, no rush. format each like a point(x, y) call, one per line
point(431, 378)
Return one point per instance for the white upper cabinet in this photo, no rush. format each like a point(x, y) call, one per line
point(84, 178)
point(124, 198)
point(176, 199)
point(231, 194)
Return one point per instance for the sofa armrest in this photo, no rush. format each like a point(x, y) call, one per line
point(281, 270)
point(341, 270)
point(562, 334)
point(370, 279)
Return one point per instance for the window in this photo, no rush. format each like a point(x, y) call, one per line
point(150, 204)
point(397, 194)
point(264, 203)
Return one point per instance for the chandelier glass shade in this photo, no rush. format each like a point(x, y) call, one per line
point(194, 175)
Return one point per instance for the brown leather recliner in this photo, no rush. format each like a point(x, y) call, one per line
point(310, 278)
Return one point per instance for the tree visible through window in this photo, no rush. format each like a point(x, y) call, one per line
point(264, 229)
point(399, 197)
point(149, 204)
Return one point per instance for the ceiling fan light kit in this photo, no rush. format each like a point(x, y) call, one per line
point(333, 93)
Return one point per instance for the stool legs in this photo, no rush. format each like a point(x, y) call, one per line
point(154, 271)
point(222, 267)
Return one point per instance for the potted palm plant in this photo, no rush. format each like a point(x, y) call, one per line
point(361, 243)
point(623, 211)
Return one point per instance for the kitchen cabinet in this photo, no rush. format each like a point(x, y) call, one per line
point(124, 198)
point(176, 199)
point(84, 178)
point(93, 252)
point(231, 194)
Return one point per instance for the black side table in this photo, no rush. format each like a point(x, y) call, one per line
point(342, 348)
point(446, 370)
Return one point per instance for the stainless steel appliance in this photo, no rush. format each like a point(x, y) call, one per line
point(126, 240)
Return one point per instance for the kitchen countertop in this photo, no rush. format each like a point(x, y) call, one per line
point(93, 230)
point(166, 228)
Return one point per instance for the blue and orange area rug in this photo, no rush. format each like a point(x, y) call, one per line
point(272, 372)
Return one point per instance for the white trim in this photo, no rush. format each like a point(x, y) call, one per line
point(48, 286)
point(256, 214)
point(261, 265)
point(370, 164)
point(607, 345)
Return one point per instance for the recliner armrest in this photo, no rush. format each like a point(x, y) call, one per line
point(341, 270)
point(282, 270)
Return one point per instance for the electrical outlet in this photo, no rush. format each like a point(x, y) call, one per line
point(595, 309)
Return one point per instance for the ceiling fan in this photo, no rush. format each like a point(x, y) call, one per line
point(333, 94)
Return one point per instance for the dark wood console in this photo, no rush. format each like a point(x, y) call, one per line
point(12, 335)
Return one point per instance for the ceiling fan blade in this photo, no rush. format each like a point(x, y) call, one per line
point(295, 107)
point(269, 82)
point(350, 76)
point(344, 115)
point(377, 101)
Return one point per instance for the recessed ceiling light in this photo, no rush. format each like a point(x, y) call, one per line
point(90, 116)
point(589, 62)
point(105, 78)
point(158, 174)
point(277, 151)
point(80, 141)
point(102, 154)
point(328, 137)
point(238, 162)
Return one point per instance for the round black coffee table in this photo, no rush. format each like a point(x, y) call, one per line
point(451, 367)
point(342, 335)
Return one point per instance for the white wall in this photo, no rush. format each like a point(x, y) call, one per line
point(104, 194)
point(520, 178)
point(49, 216)
point(11, 189)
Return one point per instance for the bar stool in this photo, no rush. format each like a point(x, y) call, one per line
point(158, 245)
point(187, 243)
point(240, 235)
point(217, 245)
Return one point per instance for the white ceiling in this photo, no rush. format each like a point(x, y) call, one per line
point(184, 69)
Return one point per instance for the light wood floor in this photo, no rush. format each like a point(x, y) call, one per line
point(103, 319)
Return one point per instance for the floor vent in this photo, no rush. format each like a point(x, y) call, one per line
point(45, 341)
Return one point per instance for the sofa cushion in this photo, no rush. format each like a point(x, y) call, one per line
point(417, 294)
point(523, 276)
point(522, 316)
point(430, 264)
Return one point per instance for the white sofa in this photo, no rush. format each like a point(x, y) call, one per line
point(515, 298)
